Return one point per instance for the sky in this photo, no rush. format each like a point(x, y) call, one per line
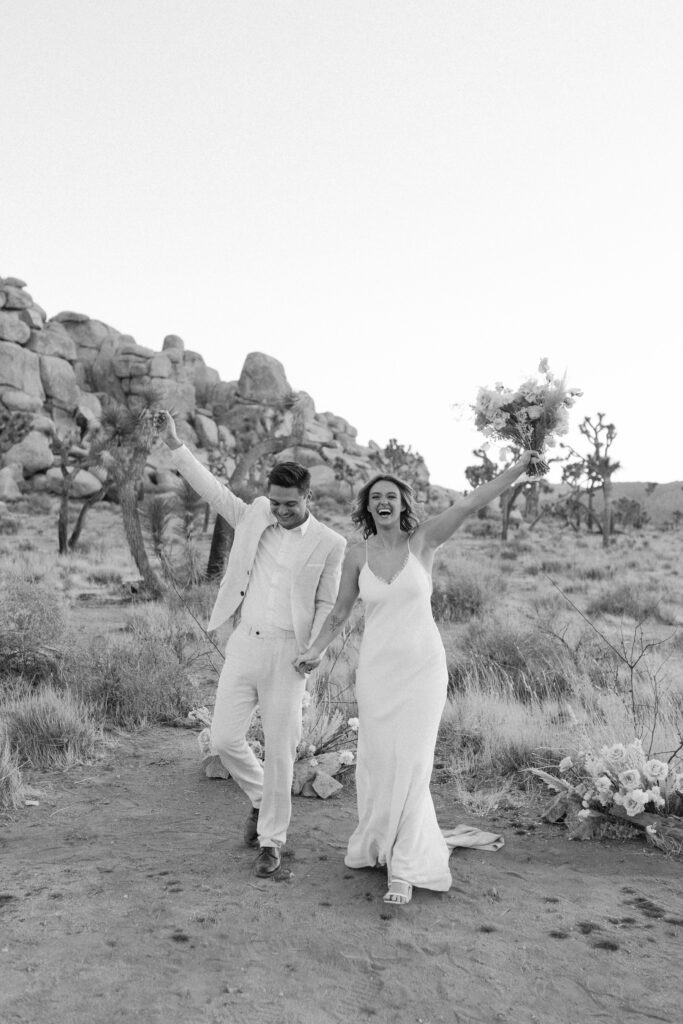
point(401, 201)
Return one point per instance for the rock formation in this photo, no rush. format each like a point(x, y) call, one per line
point(57, 371)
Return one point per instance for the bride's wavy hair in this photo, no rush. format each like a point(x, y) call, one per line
point(361, 517)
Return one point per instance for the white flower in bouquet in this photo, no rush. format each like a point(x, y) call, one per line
point(565, 764)
point(630, 779)
point(306, 700)
point(633, 802)
point(311, 748)
point(604, 789)
point(313, 761)
point(353, 724)
point(346, 757)
point(655, 797)
point(655, 771)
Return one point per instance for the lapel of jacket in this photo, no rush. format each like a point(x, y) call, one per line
point(310, 541)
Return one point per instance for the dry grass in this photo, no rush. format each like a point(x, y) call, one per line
point(50, 729)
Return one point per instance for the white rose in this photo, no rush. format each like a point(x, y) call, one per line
point(655, 771)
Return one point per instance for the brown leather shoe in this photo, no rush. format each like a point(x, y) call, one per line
point(251, 828)
point(267, 862)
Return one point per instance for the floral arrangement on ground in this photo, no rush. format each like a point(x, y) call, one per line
point(620, 786)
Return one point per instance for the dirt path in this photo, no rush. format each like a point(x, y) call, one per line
point(126, 896)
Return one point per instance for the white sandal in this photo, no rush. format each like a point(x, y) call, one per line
point(399, 892)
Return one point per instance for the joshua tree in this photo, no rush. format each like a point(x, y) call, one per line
point(123, 444)
point(597, 468)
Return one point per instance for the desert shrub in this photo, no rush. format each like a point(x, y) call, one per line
point(32, 625)
point(461, 592)
point(9, 524)
point(106, 574)
point(518, 660)
point(131, 684)
point(11, 786)
point(50, 729)
point(628, 599)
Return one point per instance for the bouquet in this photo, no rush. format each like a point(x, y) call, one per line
point(530, 416)
point(624, 785)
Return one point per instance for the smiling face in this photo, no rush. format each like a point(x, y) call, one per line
point(385, 504)
point(288, 505)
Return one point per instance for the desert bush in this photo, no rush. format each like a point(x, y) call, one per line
point(516, 659)
point(630, 599)
point(50, 729)
point(11, 785)
point(32, 625)
point(131, 684)
point(9, 524)
point(460, 592)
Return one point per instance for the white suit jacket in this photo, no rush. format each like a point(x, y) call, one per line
point(315, 579)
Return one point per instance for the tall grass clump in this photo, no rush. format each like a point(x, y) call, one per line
point(11, 785)
point(631, 599)
point(131, 684)
point(50, 729)
point(462, 592)
point(32, 625)
point(516, 659)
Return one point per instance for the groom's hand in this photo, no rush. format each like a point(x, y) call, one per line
point(304, 664)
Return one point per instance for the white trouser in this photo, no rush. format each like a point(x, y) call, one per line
point(259, 670)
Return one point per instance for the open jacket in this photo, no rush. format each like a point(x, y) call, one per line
point(315, 580)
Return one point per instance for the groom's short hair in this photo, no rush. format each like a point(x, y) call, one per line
point(290, 474)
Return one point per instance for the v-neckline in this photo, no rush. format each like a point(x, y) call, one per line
point(396, 575)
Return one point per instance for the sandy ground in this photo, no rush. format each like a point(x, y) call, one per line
point(127, 896)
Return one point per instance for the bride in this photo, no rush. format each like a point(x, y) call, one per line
point(401, 677)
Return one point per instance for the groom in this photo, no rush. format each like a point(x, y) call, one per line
point(281, 582)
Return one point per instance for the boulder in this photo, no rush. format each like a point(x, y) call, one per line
point(20, 369)
point(160, 366)
point(53, 340)
point(263, 380)
point(101, 376)
point(9, 489)
point(178, 398)
point(19, 401)
point(318, 433)
point(15, 298)
point(33, 454)
point(226, 437)
point(16, 282)
point(325, 786)
point(33, 316)
point(13, 329)
point(213, 767)
point(59, 382)
point(129, 347)
point(172, 341)
point(68, 316)
point(89, 335)
point(84, 484)
point(207, 430)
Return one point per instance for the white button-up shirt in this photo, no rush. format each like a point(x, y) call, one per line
point(267, 604)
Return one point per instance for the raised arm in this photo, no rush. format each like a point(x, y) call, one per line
point(438, 529)
point(332, 626)
point(213, 491)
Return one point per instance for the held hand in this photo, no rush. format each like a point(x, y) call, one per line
point(306, 662)
point(165, 428)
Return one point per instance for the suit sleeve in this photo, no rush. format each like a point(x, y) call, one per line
point(219, 497)
point(328, 585)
